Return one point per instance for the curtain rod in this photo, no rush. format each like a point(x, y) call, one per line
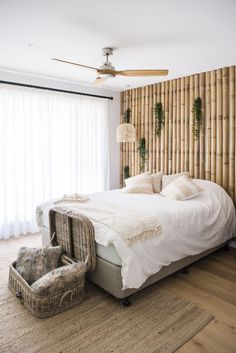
point(55, 90)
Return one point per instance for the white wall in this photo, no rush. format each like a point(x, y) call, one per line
point(113, 111)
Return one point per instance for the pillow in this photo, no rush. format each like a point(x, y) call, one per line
point(141, 184)
point(181, 189)
point(156, 182)
point(167, 179)
point(33, 263)
point(130, 179)
point(57, 281)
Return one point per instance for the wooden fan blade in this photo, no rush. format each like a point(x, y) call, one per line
point(142, 72)
point(69, 62)
point(99, 81)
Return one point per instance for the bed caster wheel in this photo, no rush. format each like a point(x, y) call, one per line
point(185, 271)
point(126, 302)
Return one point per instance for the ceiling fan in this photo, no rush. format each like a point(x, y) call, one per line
point(108, 71)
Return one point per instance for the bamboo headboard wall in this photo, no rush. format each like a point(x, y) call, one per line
point(212, 156)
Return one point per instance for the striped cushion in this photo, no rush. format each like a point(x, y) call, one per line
point(167, 179)
point(141, 184)
point(181, 189)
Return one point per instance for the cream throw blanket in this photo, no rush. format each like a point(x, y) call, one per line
point(131, 225)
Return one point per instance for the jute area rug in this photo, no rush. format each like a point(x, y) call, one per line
point(158, 321)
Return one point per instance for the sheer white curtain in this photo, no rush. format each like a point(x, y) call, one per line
point(50, 144)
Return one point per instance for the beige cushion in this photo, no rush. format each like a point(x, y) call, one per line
point(181, 189)
point(167, 179)
point(156, 182)
point(59, 280)
point(140, 184)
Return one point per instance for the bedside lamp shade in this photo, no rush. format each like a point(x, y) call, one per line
point(125, 133)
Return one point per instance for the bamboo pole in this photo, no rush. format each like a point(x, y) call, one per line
point(166, 126)
point(122, 103)
point(174, 147)
point(132, 145)
point(135, 125)
point(208, 127)
point(170, 133)
point(202, 127)
point(153, 129)
point(139, 124)
point(178, 132)
point(182, 122)
point(225, 112)
point(232, 114)
point(146, 128)
point(186, 127)
point(219, 126)
point(158, 159)
point(196, 142)
point(191, 137)
point(213, 125)
point(150, 128)
point(163, 130)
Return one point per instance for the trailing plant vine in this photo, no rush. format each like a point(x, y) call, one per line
point(142, 152)
point(159, 118)
point(126, 116)
point(126, 172)
point(197, 117)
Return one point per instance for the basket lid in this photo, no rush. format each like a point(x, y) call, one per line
point(75, 233)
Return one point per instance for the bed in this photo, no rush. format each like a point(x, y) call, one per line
point(190, 230)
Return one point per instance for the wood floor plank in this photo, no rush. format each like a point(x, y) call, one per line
point(211, 283)
point(222, 310)
point(217, 268)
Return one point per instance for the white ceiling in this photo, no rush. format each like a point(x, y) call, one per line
point(185, 36)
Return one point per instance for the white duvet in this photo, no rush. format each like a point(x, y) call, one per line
point(188, 228)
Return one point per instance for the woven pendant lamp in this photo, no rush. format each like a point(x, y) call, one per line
point(126, 131)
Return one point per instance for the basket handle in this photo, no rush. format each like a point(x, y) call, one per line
point(64, 295)
point(19, 296)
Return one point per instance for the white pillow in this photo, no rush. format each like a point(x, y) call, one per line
point(130, 179)
point(181, 189)
point(141, 184)
point(167, 179)
point(156, 182)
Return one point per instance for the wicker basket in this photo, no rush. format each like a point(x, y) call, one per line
point(75, 233)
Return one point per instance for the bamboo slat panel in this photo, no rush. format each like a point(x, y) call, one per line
point(212, 156)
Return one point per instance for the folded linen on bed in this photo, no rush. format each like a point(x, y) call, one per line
point(73, 197)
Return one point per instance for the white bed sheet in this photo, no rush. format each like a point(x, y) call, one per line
point(188, 228)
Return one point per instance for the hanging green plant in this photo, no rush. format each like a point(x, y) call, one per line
point(126, 172)
point(126, 116)
point(159, 118)
point(197, 117)
point(142, 152)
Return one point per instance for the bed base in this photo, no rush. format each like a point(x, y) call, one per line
point(108, 275)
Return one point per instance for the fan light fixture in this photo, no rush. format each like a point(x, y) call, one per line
point(107, 71)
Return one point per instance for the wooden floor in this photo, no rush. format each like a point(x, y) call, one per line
point(211, 283)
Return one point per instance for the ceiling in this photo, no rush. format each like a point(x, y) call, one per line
point(184, 36)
